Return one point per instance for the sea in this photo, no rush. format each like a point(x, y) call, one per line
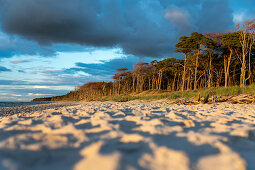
point(15, 104)
point(11, 108)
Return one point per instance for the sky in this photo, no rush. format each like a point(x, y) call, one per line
point(49, 47)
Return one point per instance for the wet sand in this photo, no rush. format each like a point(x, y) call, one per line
point(131, 135)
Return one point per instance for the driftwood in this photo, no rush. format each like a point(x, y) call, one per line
point(206, 99)
point(198, 97)
point(241, 99)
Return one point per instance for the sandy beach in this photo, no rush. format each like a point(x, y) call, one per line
point(131, 135)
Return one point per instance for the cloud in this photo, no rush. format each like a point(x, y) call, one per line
point(14, 45)
point(44, 82)
point(139, 27)
point(180, 18)
point(4, 69)
point(18, 61)
point(216, 16)
point(21, 71)
point(83, 73)
point(106, 68)
point(7, 82)
point(239, 17)
point(27, 94)
point(38, 94)
point(41, 87)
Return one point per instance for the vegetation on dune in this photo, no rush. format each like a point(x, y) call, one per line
point(214, 63)
point(191, 94)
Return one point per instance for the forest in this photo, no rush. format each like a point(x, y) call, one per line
point(209, 60)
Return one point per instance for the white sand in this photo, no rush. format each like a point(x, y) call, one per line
point(133, 135)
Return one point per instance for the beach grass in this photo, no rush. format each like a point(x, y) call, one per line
point(187, 95)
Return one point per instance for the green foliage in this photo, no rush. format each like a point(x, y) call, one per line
point(231, 40)
point(184, 46)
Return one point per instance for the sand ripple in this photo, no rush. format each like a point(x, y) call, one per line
point(133, 135)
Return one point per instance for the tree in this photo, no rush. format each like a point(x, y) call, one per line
point(210, 46)
point(197, 41)
point(246, 31)
point(141, 72)
point(183, 47)
point(230, 45)
point(121, 73)
point(167, 70)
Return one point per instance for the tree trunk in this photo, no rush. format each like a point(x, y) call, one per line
point(184, 73)
point(173, 85)
point(188, 83)
point(179, 81)
point(134, 83)
point(243, 70)
point(227, 61)
point(195, 81)
point(210, 71)
point(234, 76)
point(119, 86)
point(249, 64)
point(160, 79)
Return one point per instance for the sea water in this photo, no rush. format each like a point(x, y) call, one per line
point(15, 104)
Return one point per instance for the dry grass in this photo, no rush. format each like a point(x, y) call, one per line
point(160, 94)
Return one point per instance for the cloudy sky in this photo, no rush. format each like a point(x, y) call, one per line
point(49, 47)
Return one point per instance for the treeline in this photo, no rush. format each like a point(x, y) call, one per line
point(210, 60)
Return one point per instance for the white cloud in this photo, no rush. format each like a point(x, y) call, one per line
point(16, 95)
point(42, 87)
point(81, 73)
point(239, 17)
point(37, 94)
point(179, 18)
point(176, 15)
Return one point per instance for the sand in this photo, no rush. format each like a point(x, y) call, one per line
point(132, 135)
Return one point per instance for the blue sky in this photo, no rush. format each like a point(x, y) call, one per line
point(48, 48)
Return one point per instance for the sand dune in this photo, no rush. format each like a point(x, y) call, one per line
point(132, 135)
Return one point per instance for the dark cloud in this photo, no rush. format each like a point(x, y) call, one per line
point(11, 45)
point(140, 27)
point(3, 69)
point(14, 45)
point(216, 18)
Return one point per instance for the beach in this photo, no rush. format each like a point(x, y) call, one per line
point(127, 135)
